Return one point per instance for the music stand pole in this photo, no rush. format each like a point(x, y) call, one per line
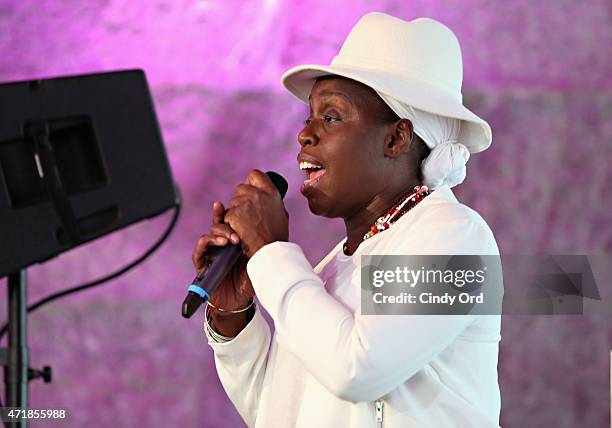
point(17, 354)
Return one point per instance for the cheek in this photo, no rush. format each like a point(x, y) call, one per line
point(354, 181)
point(360, 166)
point(353, 161)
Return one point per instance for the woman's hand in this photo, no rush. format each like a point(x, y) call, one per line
point(257, 213)
point(235, 291)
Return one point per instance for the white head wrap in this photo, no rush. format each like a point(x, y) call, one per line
point(445, 164)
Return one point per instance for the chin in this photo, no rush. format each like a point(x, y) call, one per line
point(315, 208)
point(322, 208)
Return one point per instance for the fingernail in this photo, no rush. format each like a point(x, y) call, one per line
point(234, 238)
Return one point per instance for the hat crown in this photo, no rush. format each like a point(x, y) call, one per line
point(418, 63)
point(423, 49)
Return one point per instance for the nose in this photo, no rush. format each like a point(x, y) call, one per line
point(306, 136)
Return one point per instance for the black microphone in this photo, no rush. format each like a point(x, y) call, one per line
point(219, 262)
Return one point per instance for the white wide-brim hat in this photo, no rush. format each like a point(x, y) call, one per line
point(416, 62)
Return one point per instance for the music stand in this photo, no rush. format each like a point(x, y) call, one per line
point(80, 157)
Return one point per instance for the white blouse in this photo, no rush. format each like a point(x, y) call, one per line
point(327, 365)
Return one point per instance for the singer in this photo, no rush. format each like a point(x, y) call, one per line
point(387, 134)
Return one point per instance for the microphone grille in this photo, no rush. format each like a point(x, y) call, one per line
point(280, 183)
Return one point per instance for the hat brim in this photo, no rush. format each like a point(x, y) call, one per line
point(475, 132)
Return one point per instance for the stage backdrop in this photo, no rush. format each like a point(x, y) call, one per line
point(540, 72)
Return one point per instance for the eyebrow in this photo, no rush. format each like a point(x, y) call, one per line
point(327, 94)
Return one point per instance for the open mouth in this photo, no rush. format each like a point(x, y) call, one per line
point(313, 173)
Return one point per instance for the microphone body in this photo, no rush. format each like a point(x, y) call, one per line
point(220, 262)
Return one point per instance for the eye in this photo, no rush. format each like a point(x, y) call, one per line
point(328, 118)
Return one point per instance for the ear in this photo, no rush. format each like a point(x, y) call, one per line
point(399, 138)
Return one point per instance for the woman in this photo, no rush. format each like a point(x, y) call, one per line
point(386, 134)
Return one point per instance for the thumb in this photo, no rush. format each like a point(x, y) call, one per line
point(258, 179)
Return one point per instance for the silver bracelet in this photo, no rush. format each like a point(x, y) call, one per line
point(210, 332)
point(233, 312)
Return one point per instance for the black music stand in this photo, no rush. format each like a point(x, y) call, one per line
point(80, 157)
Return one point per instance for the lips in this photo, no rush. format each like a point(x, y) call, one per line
point(314, 170)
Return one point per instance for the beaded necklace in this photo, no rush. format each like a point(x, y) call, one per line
point(395, 212)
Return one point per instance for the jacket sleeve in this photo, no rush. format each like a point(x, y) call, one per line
point(241, 365)
point(357, 357)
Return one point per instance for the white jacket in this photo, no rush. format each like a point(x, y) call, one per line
point(327, 365)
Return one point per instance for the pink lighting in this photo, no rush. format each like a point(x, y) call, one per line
point(540, 72)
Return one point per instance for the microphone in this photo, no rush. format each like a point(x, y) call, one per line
point(218, 264)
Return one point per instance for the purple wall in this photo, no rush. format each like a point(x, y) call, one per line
point(540, 72)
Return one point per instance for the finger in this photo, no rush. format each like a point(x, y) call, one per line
point(244, 189)
point(238, 200)
point(230, 216)
point(260, 180)
point(217, 212)
point(218, 236)
point(224, 231)
point(200, 250)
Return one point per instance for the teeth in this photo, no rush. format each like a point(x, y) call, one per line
point(308, 165)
